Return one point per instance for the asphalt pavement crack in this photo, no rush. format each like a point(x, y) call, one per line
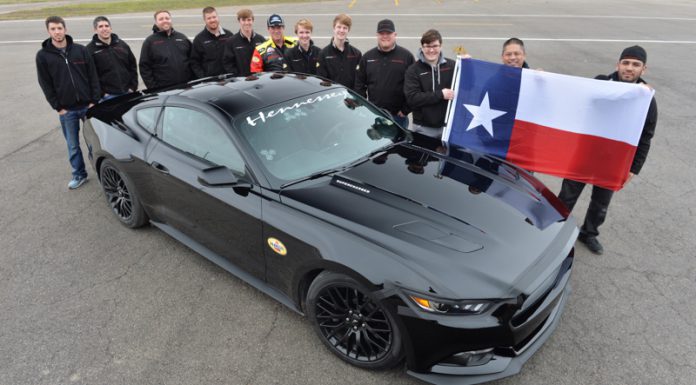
point(20, 148)
point(264, 346)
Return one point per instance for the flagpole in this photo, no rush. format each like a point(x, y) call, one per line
point(455, 83)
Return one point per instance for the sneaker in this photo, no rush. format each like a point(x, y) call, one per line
point(592, 244)
point(76, 182)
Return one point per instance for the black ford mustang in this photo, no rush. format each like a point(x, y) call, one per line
point(395, 246)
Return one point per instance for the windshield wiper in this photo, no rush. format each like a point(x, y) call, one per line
point(334, 170)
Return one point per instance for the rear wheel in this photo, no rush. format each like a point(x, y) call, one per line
point(352, 324)
point(121, 196)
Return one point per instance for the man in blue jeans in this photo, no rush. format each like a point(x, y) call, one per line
point(70, 83)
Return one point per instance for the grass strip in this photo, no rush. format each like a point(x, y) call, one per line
point(130, 6)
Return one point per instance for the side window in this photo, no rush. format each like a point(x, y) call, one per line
point(198, 134)
point(147, 118)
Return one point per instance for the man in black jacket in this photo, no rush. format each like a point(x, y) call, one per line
point(69, 81)
point(630, 68)
point(239, 49)
point(428, 86)
point(115, 62)
point(338, 60)
point(380, 74)
point(303, 57)
point(209, 46)
point(164, 57)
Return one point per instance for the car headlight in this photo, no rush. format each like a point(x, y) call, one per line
point(439, 306)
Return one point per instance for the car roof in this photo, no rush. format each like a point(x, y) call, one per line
point(239, 95)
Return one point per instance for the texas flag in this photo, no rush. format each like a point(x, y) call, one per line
point(577, 128)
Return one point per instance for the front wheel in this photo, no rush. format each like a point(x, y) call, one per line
point(121, 196)
point(352, 324)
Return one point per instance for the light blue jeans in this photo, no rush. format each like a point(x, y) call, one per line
point(70, 123)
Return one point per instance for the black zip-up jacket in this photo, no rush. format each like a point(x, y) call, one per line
point(339, 66)
point(648, 128)
point(303, 61)
point(69, 80)
point(380, 78)
point(207, 53)
point(164, 59)
point(238, 51)
point(423, 89)
point(116, 65)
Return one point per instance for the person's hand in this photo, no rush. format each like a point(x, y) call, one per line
point(447, 94)
point(90, 105)
point(62, 111)
point(648, 86)
point(630, 176)
point(400, 114)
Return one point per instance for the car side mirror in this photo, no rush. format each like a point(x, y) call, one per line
point(221, 176)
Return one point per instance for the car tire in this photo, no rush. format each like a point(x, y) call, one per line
point(121, 196)
point(352, 323)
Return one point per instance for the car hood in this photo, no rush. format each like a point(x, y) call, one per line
point(462, 219)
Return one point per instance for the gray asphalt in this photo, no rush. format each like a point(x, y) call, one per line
point(85, 301)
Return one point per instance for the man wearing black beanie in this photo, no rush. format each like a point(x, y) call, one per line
point(630, 68)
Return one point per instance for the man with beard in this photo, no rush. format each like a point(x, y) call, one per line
point(164, 57)
point(209, 46)
point(380, 74)
point(240, 48)
point(68, 79)
point(270, 55)
point(630, 69)
point(115, 62)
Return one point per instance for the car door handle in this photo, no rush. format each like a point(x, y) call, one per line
point(159, 167)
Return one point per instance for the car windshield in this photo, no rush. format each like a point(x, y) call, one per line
point(317, 132)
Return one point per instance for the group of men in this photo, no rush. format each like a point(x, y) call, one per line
point(74, 77)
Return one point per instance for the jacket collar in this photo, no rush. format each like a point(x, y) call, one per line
point(48, 45)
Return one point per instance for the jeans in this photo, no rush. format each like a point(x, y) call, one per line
point(596, 212)
point(70, 123)
point(403, 122)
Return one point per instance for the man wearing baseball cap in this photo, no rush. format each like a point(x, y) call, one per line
point(381, 72)
point(270, 55)
point(629, 69)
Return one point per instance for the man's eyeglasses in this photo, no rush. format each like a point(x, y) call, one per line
point(431, 46)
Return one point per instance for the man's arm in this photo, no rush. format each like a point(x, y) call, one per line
point(46, 83)
point(197, 57)
point(256, 62)
point(645, 138)
point(132, 70)
point(93, 78)
point(361, 78)
point(145, 66)
point(229, 59)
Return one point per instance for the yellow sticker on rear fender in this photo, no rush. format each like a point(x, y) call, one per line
point(277, 246)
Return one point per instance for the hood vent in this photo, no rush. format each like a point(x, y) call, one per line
point(441, 237)
point(348, 184)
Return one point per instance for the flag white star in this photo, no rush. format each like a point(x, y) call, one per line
point(483, 115)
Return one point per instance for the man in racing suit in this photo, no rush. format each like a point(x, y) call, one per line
point(270, 55)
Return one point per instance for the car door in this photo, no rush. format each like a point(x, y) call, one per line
point(225, 219)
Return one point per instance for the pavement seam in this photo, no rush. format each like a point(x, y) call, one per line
point(3, 157)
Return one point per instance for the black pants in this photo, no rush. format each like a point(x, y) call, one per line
point(596, 213)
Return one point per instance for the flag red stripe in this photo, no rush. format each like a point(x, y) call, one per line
point(564, 154)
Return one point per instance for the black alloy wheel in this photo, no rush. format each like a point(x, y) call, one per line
point(352, 324)
point(121, 196)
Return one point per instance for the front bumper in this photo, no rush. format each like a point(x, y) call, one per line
point(509, 346)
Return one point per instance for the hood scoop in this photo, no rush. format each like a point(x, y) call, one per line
point(441, 237)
